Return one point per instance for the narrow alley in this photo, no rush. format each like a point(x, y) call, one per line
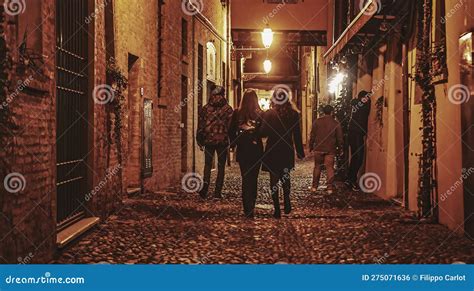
point(344, 227)
point(107, 107)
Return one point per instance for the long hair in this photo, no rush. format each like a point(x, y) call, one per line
point(249, 107)
point(283, 104)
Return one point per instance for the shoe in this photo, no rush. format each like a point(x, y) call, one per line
point(355, 188)
point(287, 206)
point(277, 214)
point(276, 204)
point(218, 196)
point(250, 215)
point(203, 194)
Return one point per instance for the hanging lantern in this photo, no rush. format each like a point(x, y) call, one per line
point(267, 66)
point(267, 37)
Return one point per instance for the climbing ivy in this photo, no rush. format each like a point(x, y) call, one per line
point(7, 124)
point(424, 79)
point(119, 84)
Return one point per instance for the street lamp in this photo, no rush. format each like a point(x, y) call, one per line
point(267, 37)
point(336, 82)
point(267, 66)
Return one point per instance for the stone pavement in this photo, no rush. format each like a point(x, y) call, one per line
point(342, 228)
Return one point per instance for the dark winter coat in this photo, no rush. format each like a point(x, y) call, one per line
point(360, 116)
point(326, 135)
point(214, 122)
point(248, 142)
point(283, 137)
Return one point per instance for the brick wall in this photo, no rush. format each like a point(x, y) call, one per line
point(27, 218)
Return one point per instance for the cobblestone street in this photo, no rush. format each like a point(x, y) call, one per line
point(341, 228)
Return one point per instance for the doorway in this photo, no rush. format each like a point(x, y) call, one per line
point(71, 110)
point(133, 159)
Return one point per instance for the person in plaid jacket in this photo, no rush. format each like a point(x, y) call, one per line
point(213, 137)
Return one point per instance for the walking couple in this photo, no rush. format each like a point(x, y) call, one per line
point(247, 127)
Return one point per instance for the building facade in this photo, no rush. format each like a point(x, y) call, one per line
point(100, 102)
point(417, 63)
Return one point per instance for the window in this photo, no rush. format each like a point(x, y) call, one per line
point(184, 37)
point(211, 61)
point(200, 76)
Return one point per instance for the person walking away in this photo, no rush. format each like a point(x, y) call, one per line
point(357, 135)
point(281, 124)
point(244, 132)
point(325, 139)
point(213, 138)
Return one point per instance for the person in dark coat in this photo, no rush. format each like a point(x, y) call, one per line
point(213, 137)
point(281, 124)
point(326, 138)
point(356, 136)
point(244, 132)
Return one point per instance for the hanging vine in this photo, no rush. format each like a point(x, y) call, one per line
point(119, 84)
point(379, 105)
point(427, 180)
point(7, 124)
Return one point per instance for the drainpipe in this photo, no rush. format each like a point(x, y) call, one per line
point(194, 87)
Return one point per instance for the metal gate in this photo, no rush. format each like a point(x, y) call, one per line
point(71, 109)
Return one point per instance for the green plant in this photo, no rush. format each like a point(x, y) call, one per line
point(119, 84)
point(424, 78)
point(7, 124)
point(379, 110)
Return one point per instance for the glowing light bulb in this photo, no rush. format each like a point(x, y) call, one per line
point(267, 66)
point(267, 37)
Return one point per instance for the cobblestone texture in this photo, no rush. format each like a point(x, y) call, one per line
point(341, 228)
